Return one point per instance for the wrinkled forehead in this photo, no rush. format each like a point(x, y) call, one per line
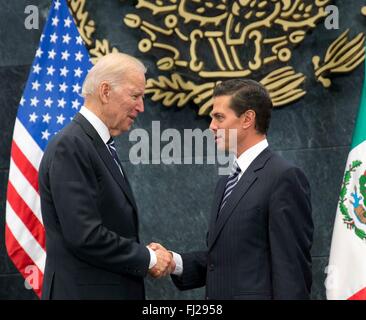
point(133, 81)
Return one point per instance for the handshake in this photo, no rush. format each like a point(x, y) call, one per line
point(165, 264)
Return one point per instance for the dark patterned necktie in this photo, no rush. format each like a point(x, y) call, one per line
point(230, 184)
point(113, 151)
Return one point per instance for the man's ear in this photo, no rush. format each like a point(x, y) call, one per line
point(248, 119)
point(104, 91)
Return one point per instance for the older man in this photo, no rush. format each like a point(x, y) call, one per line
point(88, 209)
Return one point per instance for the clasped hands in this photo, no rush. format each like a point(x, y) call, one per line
point(165, 264)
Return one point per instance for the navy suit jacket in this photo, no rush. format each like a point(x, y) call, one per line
point(259, 245)
point(90, 217)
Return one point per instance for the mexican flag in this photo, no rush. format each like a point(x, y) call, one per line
point(346, 272)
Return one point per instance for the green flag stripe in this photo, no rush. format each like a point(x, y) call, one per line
point(359, 134)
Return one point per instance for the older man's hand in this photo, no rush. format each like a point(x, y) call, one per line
point(165, 264)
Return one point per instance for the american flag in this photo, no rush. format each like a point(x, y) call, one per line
point(50, 100)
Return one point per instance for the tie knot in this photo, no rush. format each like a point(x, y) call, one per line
point(110, 142)
point(235, 169)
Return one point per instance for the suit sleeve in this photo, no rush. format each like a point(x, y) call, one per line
point(194, 271)
point(75, 192)
point(290, 234)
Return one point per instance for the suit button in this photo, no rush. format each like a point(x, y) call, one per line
point(212, 267)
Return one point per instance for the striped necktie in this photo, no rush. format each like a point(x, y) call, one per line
point(112, 149)
point(230, 184)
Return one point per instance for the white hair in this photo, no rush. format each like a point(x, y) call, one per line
point(110, 68)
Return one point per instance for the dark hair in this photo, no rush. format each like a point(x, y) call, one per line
point(248, 95)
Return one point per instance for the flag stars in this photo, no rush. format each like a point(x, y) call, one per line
point(48, 102)
point(55, 21)
point(63, 87)
point(34, 101)
point(39, 53)
point(35, 85)
point(64, 71)
point(57, 4)
point(76, 88)
point(79, 40)
point(78, 72)
point(66, 38)
point(61, 119)
point(78, 56)
point(53, 37)
point(50, 70)
point(65, 55)
point(49, 86)
point(51, 54)
point(45, 135)
point(56, 78)
point(61, 102)
point(75, 104)
point(67, 22)
point(33, 117)
point(46, 118)
point(37, 68)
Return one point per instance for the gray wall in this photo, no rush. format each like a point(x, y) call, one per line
point(174, 200)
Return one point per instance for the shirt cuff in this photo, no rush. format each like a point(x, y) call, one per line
point(153, 258)
point(178, 264)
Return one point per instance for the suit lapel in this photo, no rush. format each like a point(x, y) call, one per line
point(112, 167)
point(106, 157)
point(219, 192)
point(245, 183)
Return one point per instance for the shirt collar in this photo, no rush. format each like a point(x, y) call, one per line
point(97, 124)
point(248, 156)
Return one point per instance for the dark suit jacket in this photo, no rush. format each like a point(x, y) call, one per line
point(91, 223)
point(259, 246)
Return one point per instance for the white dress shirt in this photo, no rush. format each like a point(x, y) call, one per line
point(97, 124)
point(244, 161)
point(248, 156)
point(104, 134)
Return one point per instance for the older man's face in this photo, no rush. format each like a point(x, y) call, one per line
point(125, 103)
